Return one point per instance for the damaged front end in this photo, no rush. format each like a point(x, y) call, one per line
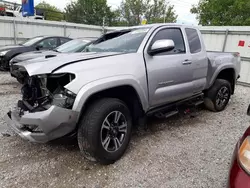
point(45, 111)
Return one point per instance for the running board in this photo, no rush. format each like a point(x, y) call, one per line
point(166, 115)
point(198, 103)
point(171, 114)
point(172, 108)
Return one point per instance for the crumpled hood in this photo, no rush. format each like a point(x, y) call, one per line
point(5, 48)
point(45, 66)
point(32, 55)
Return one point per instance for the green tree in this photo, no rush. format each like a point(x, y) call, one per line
point(155, 11)
point(92, 12)
point(161, 11)
point(50, 12)
point(132, 11)
point(116, 19)
point(223, 12)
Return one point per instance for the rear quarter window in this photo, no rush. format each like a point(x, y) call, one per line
point(193, 40)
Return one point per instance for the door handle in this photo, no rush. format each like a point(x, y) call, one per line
point(187, 62)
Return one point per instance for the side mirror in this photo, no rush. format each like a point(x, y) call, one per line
point(160, 46)
point(248, 111)
point(39, 47)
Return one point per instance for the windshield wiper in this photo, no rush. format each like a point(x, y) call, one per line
point(55, 50)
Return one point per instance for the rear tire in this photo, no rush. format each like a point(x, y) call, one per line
point(218, 96)
point(105, 130)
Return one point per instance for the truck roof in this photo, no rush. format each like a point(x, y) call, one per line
point(117, 29)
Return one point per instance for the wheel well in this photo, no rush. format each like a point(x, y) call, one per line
point(229, 75)
point(127, 94)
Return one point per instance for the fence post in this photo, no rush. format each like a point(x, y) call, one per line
point(225, 41)
point(14, 30)
point(64, 30)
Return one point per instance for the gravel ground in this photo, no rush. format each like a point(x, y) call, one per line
point(178, 152)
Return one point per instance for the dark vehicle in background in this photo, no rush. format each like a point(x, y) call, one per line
point(33, 44)
point(73, 46)
point(239, 175)
point(16, 64)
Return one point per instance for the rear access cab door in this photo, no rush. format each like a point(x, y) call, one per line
point(198, 57)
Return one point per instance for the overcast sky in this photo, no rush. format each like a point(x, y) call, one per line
point(182, 7)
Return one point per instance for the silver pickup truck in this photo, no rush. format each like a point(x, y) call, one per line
point(102, 94)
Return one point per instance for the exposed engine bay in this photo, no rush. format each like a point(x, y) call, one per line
point(39, 93)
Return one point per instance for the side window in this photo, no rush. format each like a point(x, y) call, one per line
point(49, 43)
point(64, 40)
point(193, 40)
point(174, 34)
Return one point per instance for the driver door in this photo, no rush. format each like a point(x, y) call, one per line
point(170, 74)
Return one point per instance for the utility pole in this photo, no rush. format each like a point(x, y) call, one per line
point(103, 25)
point(103, 22)
point(164, 20)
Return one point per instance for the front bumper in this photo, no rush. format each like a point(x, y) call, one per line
point(16, 73)
point(4, 63)
point(1, 62)
point(13, 71)
point(54, 123)
point(238, 178)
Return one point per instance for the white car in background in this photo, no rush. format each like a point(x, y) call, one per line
point(16, 11)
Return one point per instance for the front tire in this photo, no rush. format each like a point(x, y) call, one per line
point(105, 130)
point(218, 96)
